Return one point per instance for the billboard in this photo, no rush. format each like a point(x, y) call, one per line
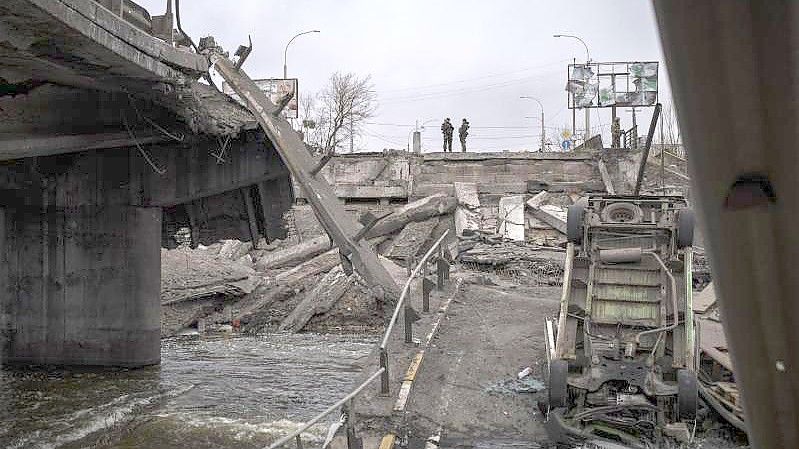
point(275, 89)
point(608, 84)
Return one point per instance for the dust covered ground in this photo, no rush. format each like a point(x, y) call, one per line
point(485, 372)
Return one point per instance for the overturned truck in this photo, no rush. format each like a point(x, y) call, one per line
point(622, 352)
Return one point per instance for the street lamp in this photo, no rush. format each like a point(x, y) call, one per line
point(587, 55)
point(285, 52)
point(543, 131)
point(417, 129)
point(587, 61)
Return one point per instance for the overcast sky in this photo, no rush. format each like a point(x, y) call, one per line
point(434, 59)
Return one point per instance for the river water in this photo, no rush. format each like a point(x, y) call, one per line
point(238, 392)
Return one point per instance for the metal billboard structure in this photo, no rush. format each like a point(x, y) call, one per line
point(276, 89)
point(612, 84)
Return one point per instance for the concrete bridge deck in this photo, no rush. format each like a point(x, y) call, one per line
point(107, 138)
point(465, 392)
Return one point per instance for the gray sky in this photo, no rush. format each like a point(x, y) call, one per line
point(434, 59)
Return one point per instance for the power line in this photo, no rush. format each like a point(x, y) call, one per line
point(459, 91)
point(495, 75)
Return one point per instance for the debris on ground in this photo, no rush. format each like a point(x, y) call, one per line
point(299, 283)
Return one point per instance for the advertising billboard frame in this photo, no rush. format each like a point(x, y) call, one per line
point(612, 84)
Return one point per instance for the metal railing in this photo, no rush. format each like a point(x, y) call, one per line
point(347, 402)
point(384, 389)
point(629, 138)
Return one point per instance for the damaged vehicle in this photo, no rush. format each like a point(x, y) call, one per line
point(622, 352)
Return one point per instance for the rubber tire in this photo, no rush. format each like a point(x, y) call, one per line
point(685, 228)
point(558, 388)
point(687, 394)
point(637, 213)
point(574, 223)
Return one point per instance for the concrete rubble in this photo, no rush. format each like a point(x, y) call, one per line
point(294, 285)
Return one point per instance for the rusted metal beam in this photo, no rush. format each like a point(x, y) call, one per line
point(339, 224)
point(645, 155)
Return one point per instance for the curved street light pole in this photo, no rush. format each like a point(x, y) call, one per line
point(587, 54)
point(587, 134)
point(285, 52)
point(543, 131)
point(417, 129)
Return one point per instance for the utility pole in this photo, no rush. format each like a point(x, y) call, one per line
point(543, 131)
point(587, 124)
point(587, 134)
point(662, 159)
point(574, 111)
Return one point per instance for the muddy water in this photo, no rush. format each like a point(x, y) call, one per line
point(239, 392)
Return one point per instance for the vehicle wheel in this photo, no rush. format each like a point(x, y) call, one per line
point(574, 223)
point(685, 228)
point(622, 213)
point(687, 394)
point(558, 386)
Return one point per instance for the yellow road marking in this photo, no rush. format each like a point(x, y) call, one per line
point(388, 441)
point(414, 367)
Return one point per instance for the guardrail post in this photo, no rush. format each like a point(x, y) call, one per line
point(410, 263)
point(410, 316)
point(427, 287)
point(298, 439)
point(384, 376)
point(442, 270)
point(353, 442)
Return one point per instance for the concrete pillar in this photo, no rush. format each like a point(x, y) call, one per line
point(276, 198)
point(251, 217)
point(81, 286)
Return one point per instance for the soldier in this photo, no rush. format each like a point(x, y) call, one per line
point(447, 129)
point(463, 131)
point(615, 131)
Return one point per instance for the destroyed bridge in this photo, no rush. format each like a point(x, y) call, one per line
point(110, 141)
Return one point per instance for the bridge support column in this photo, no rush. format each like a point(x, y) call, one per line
point(80, 286)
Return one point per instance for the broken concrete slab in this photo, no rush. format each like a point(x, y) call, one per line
point(293, 255)
point(411, 239)
point(419, 210)
point(234, 249)
point(552, 215)
point(538, 199)
point(704, 300)
point(511, 217)
point(319, 300)
point(467, 214)
point(339, 225)
point(606, 179)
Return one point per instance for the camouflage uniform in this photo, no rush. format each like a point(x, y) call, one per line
point(447, 129)
point(463, 131)
point(615, 132)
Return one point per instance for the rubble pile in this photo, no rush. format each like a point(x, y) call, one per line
point(195, 282)
point(523, 262)
point(299, 283)
point(293, 286)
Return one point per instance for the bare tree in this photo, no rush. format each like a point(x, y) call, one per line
point(671, 127)
point(339, 111)
point(307, 114)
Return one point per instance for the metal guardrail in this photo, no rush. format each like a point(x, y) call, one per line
point(401, 302)
point(343, 401)
point(346, 403)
